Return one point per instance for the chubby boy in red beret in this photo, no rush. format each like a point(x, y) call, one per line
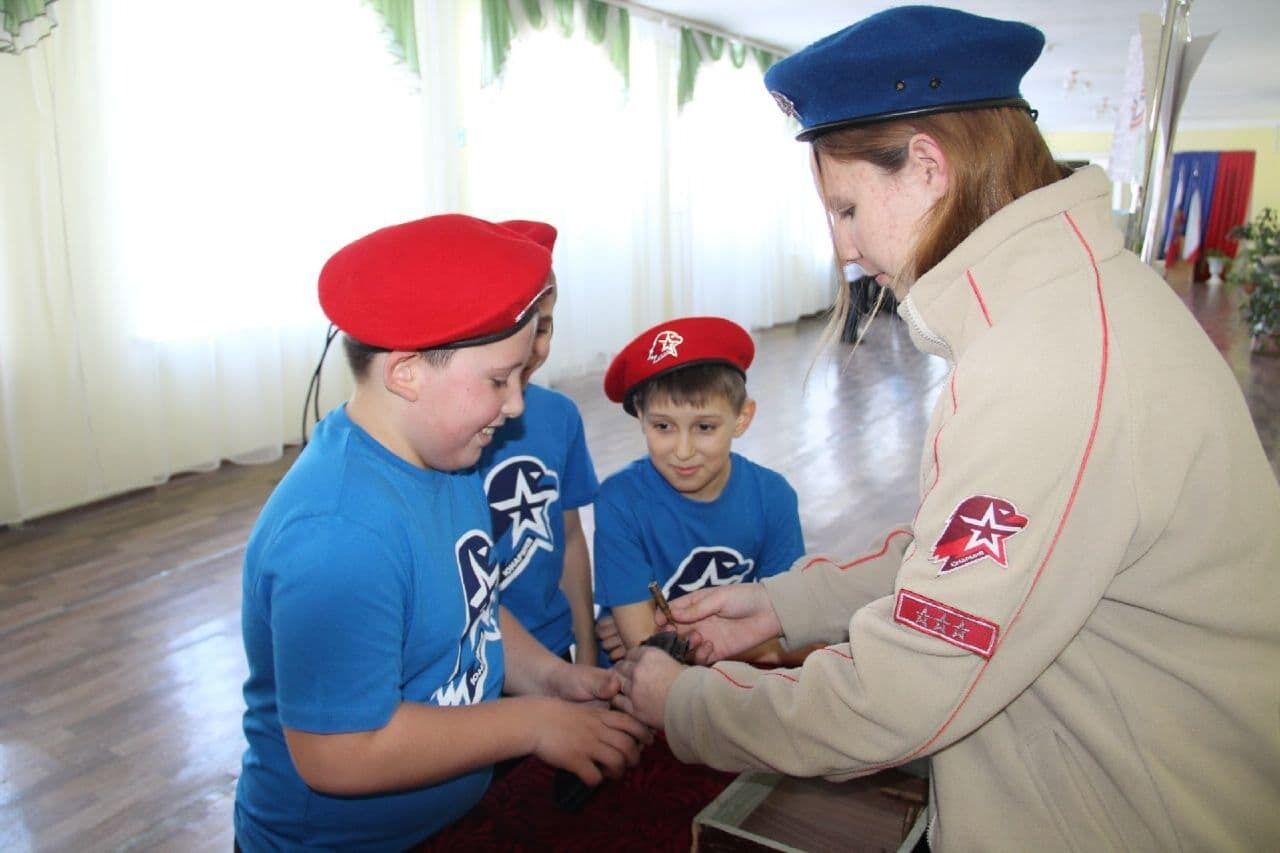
point(537, 474)
point(692, 513)
point(376, 649)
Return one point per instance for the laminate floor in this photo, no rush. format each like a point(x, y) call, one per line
point(120, 655)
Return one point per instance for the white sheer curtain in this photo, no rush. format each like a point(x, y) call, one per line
point(172, 177)
point(752, 241)
point(709, 211)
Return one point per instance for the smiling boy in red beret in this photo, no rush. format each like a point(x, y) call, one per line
point(376, 651)
point(692, 513)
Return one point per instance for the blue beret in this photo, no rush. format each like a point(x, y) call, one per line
point(905, 61)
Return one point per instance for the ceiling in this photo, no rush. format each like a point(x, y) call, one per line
point(1079, 78)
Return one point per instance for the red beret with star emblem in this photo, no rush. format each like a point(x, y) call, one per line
point(539, 232)
point(675, 344)
point(443, 281)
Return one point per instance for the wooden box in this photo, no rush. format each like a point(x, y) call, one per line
point(765, 811)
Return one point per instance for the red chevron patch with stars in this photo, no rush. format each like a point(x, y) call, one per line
point(969, 632)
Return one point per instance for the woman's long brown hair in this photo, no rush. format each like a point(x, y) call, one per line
point(994, 156)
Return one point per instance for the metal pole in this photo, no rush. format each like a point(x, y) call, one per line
point(1140, 236)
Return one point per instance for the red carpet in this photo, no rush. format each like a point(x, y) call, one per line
point(651, 809)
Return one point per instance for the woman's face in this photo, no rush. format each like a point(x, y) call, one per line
point(875, 215)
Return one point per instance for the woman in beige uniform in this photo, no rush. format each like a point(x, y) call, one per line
point(1080, 628)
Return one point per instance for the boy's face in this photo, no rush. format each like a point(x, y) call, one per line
point(689, 445)
point(460, 405)
point(544, 328)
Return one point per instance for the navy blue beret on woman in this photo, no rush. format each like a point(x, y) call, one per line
point(906, 61)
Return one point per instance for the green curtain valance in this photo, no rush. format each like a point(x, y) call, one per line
point(608, 26)
point(402, 31)
point(25, 22)
point(697, 47)
point(501, 20)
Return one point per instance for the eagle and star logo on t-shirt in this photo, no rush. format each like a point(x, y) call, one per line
point(708, 566)
point(521, 491)
point(480, 577)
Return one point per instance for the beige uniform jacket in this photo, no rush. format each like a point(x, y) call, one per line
point(1082, 624)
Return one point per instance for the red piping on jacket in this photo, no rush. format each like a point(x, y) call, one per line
point(729, 678)
point(1062, 521)
point(973, 285)
point(1093, 431)
point(866, 558)
point(1066, 512)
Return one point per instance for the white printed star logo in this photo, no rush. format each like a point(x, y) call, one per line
point(484, 573)
point(527, 508)
point(987, 534)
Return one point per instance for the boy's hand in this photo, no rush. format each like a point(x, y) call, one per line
point(724, 621)
point(647, 675)
point(610, 638)
point(589, 739)
point(582, 683)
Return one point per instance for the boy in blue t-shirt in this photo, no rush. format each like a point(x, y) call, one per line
point(376, 646)
point(692, 513)
point(537, 473)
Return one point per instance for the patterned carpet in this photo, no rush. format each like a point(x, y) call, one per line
point(651, 809)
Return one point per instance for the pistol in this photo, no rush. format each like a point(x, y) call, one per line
point(571, 793)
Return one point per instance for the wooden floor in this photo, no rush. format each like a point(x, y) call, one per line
point(120, 655)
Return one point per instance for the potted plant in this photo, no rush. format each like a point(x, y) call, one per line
point(1216, 260)
point(1257, 271)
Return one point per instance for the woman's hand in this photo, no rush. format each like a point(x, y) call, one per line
point(589, 739)
point(646, 674)
point(724, 621)
point(610, 638)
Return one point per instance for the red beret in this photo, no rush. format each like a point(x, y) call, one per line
point(539, 232)
point(675, 344)
point(449, 280)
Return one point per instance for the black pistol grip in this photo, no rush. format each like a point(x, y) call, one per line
point(670, 642)
point(570, 792)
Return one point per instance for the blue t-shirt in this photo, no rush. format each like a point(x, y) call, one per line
point(647, 531)
point(535, 470)
point(367, 583)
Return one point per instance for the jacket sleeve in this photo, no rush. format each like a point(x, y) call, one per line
point(814, 599)
point(1026, 512)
